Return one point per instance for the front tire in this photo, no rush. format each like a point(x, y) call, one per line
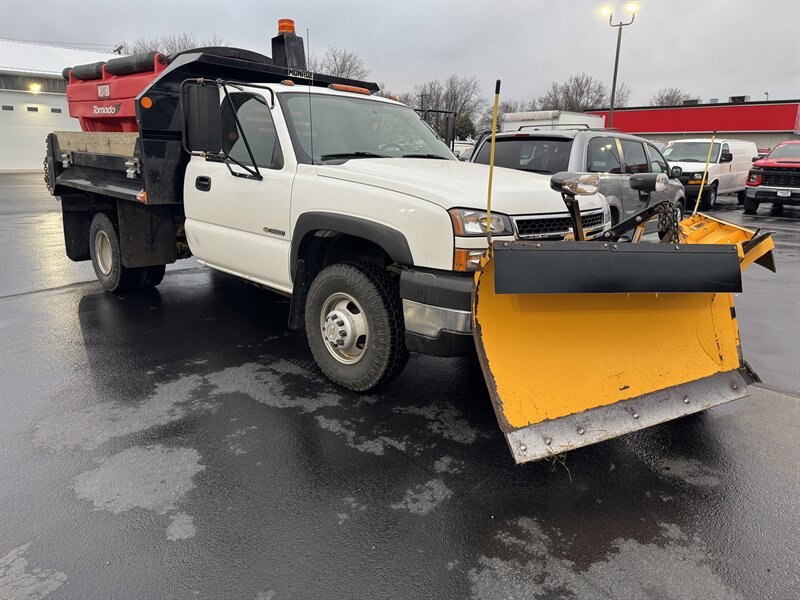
point(741, 196)
point(750, 206)
point(104, 249)
point(709, 199)
point(354, 325)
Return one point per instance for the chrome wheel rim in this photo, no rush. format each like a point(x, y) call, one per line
point(103, 252)
point(344, 328)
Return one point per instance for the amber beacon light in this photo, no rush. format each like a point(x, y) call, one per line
point(285, 25)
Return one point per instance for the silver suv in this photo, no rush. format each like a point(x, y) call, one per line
point(612, 155)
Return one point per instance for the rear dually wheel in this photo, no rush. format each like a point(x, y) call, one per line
point(104, 249)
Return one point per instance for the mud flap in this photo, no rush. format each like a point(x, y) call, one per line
point(582, 341)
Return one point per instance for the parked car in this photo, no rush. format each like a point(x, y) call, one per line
point(727, 170)
point(775, 178)
point(613, 156)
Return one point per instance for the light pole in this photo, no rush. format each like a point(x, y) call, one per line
point(632, 9)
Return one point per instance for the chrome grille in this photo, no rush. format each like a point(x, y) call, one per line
point(554, 226)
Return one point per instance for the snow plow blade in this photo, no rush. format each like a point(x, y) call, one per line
point(580, 342)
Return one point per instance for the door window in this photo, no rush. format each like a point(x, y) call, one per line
point(657, 162)
point(259, 129)
point(602, 156)
point(724, 150)
point(635, 159)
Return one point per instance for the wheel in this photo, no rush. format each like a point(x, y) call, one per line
point(709, 199)
point(750, 206)
point(777, 209)
point(741, 196)
point(155, 275)
point(354, 325)
point(104, 249)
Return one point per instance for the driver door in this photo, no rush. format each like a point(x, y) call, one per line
point(234, 221)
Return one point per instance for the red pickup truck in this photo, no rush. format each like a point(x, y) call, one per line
point(775, 178)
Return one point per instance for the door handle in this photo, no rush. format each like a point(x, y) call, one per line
point(203, 183)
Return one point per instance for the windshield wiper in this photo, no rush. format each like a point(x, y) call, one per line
point(686, 160)
point(543, 172)
point(439, 156)
point(352, 155)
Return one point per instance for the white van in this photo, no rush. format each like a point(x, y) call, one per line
point(727, 171)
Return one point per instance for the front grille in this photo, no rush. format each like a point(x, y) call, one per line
point(554, 226)
point(781, 177)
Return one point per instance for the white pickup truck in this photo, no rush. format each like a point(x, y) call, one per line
point(315, 187)
point(344, 200)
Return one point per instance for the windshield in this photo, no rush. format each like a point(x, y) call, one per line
point(534, 154)
point(690, 152)
point(786, 151)
point(345, 128)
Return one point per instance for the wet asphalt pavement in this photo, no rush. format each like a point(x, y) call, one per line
point(181, 444)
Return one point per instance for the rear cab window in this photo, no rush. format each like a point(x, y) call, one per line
point(528, 153)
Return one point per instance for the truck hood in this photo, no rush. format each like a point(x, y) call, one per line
point(781, 163)
point(451, 184)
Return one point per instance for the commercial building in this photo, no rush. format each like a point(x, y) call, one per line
point(33, 99)
point(765, 123)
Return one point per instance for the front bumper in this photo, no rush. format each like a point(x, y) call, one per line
point(437, 310)
point(764, 193)
point(692, 189)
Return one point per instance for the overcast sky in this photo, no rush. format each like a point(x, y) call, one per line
point(712, 49)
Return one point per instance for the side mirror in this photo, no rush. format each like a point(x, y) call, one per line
point(646, 183)
point(755, 158)
point(725, 157)
point(676, 172)
point(575, 184)
point(202, 119)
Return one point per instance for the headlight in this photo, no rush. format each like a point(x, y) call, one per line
point(697, 176)
point(473, 223)
point(606, 212)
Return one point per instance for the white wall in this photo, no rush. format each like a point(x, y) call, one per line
point(23, 133)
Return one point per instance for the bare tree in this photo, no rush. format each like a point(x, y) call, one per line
point(339, 62)
point(461, 95)
point(171, 43)
point(669, 96)
point(581, 92)
point(503, 108)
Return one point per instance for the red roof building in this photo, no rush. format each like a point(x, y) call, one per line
point(765, 123)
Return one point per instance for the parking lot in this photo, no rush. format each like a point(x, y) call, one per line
point(182, 444)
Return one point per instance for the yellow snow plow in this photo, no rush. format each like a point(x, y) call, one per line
point(582, 341)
